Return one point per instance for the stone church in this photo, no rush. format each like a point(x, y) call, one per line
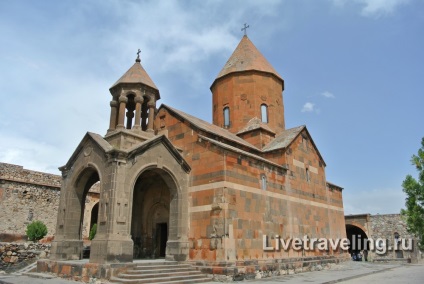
point(176, 187)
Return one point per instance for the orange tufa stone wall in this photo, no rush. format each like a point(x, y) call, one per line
point(258, 137)
point(231, 209)
point(244, 93)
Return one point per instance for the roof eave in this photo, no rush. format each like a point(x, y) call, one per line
point(208, 131)
point(245, 71)
point(257, 128)
point(236, 150)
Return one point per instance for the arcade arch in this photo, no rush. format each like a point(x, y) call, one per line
point(357, 237)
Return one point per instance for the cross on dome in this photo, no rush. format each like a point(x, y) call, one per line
point(245, 28)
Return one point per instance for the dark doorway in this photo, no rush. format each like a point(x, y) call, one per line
point(358, 240)
point(150, 216)
point(161, 238)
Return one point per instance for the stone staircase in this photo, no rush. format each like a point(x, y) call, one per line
point(160, 273)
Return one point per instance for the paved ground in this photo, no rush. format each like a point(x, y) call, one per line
point(337, 273)
point(21, 279)
point(348, 272)
point(413, 273)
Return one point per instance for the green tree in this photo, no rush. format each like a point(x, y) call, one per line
point(93, 232)
point(36, 231)
point(414, 189)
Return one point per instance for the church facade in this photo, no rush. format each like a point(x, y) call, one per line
point(177, 187)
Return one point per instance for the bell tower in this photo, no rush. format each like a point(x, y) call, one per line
point(248, 95)
point(133, 103)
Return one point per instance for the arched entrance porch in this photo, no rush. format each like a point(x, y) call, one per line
point(154, 201)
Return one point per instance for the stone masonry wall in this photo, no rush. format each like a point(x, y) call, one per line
point(14, 256)
point(26, 196)
point(231, 209)
point(385, 226)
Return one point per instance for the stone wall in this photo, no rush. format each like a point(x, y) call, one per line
point(237, 198)
point(27, 195)
point(16, 255)
point(385, 227)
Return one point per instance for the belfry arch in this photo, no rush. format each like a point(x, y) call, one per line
point(133, 103)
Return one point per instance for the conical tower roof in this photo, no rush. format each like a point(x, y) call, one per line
point(136, 74)
point(247, 57)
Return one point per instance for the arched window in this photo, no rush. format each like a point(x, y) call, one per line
point(263, 182)
point(397, 237)
point(226, 117)
point(264, 113)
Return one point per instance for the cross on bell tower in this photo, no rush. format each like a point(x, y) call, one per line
point(138, 56)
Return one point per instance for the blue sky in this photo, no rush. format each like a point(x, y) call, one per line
point(352, 72)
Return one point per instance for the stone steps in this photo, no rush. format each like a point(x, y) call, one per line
point(161, 272)
point(27, 269)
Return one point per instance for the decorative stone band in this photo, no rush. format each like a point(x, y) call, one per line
point(235, 186)
point(26, 181)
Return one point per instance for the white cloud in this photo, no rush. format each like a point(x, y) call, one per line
point(382, 201)
point(380, 7)
point(180, 34)
point(308, 107)
point(328, 95)
point(58, 90)
point(33, 155)
point(374, 8)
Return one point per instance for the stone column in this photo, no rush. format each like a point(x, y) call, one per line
point(113, 111)
point(130, 116)
point(144, 116)
point(137, 122)
point(121, 114)
point(67, 244)
point(113, 243)
point(152, 106)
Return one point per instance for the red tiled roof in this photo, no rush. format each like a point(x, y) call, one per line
point(247, 57)
point(253, 124)
point(237, 150)
point(210, 128)
point(284, 139)
point(136, 74)
point(334, 185)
